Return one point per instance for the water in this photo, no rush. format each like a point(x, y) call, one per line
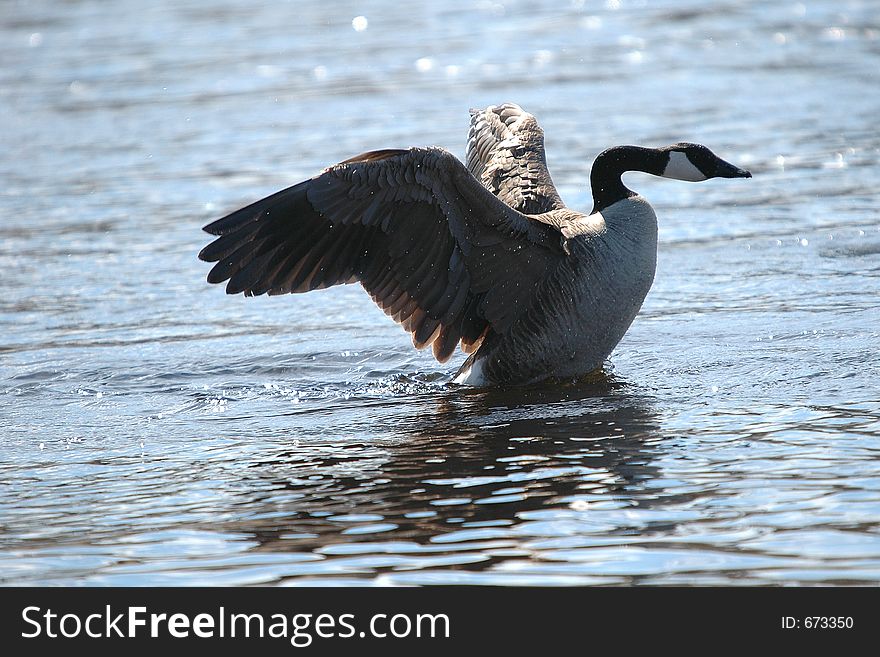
point(156, 431)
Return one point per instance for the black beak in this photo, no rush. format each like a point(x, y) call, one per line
point(727, 170)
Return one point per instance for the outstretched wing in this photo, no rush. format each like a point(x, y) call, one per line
point(433, 248)
point(505, 152)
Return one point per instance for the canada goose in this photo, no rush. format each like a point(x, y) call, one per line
point(484, 254)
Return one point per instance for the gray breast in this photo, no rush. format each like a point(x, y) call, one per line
point(586, 305)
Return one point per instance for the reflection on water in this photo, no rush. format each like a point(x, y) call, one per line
point(156, 431)
point(474, 458)
point(444, 488)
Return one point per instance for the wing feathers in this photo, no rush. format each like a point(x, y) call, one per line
point(506, 154)
point(425, 239)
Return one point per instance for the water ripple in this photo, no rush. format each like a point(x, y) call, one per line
point(158, 432)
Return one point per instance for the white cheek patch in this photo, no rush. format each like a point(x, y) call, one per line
point(681, 168)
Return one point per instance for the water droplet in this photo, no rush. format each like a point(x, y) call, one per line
point(543, 57)
point(494, 8)
point(630, 41)
point(424, 64)
point(837, 163)
point(634, 57)
point(268, 71)
point(359, 23)
point(35, 40)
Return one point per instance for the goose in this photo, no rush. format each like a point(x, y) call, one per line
point(482, 254)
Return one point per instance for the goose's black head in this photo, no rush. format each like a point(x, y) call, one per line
point(682, 161)
point(694, 162)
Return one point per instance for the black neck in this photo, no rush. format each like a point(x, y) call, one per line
point(614, 162)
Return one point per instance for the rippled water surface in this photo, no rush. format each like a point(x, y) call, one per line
point(156, 431)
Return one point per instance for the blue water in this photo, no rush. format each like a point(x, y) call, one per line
point(156, 431)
